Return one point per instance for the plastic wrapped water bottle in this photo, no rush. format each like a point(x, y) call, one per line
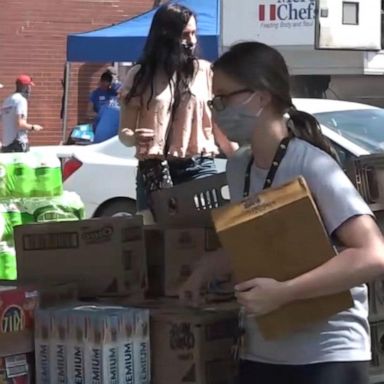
point(11, 215)
point(48, 180)
point(8, 264)
point(67, 207)
point(23, 175)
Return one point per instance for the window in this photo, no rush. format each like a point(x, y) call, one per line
point(343, 155)
point(363, 127)
point(350, 13)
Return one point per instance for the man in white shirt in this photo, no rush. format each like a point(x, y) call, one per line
point(13, 116)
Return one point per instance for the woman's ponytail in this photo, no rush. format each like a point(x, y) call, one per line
point(306, 127)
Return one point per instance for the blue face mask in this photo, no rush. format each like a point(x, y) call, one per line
point(236, 122)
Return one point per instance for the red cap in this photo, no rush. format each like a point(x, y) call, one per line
point(25, 80)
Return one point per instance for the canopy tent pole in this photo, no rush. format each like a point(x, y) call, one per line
point(66, 100)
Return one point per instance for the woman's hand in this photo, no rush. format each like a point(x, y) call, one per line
point(260, 296)
point(190, 291)
point(127, 132)
point(215, 265)
point(144, 135)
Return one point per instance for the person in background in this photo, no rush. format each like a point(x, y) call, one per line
point(13, 116)
point(104, 93)
point(251, 104)
point(164, 110)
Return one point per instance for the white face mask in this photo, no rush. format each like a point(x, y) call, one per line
point(236, 122)
point(189, 47)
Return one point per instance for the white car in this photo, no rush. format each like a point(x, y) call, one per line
point(104, 174)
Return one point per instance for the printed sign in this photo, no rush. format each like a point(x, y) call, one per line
point(273, 22)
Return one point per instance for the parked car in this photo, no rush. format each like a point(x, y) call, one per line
point(104, 174)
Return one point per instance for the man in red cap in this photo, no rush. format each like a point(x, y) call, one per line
point(13, 116)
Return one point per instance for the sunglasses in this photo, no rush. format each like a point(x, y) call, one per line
point(220, 102)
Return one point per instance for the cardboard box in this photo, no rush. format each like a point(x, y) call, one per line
point(190, 203)
point(172, 255)
point(17, 369)
point(49, 293)
point(17, 306)
point(102, 256)
point(192, 345)
point(367, 174)
point(279, 234)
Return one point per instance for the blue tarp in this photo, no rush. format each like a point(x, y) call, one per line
point(125, 41)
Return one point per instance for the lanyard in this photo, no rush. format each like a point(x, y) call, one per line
point(279, 155)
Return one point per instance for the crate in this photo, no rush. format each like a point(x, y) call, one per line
point(190, 203)
point(367, 174)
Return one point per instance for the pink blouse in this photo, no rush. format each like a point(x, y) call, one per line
point(191, 133)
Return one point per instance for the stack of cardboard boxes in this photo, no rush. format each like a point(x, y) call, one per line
point(198, 342)
point(122, 267)
point(18, 304)
point(183, 233)
point(31, 190)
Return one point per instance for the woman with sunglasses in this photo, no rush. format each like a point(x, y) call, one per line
point(253, 105)
point(165, 112)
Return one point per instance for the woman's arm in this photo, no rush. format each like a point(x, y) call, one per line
point(361, 261)
point(128, 123)
point(129, 112)
point(214, 265)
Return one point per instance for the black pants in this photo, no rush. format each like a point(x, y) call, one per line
point(181, 171)
point(15, 146)
point(322, 373)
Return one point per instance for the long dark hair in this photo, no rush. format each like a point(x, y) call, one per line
point(163, 52)
point(261, 67)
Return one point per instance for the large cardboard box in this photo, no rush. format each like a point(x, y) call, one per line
point(279, 234)
point(190, 203)
point(102, 256)
point(172, 255)
point(192, 345)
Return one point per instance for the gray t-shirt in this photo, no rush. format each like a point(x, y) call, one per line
point(13, 106)
point(345, 336)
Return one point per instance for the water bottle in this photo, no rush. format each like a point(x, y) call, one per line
point(23, 175)
point(12, 216)
point(8, 264)
point(48, 177)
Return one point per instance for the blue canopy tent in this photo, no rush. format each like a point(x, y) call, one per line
point(124, 41)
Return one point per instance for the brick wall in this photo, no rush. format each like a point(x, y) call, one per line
point(33, 41)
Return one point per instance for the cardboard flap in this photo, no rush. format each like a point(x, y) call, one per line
point(16, 343)
point(190, 203)
point(260, 204)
